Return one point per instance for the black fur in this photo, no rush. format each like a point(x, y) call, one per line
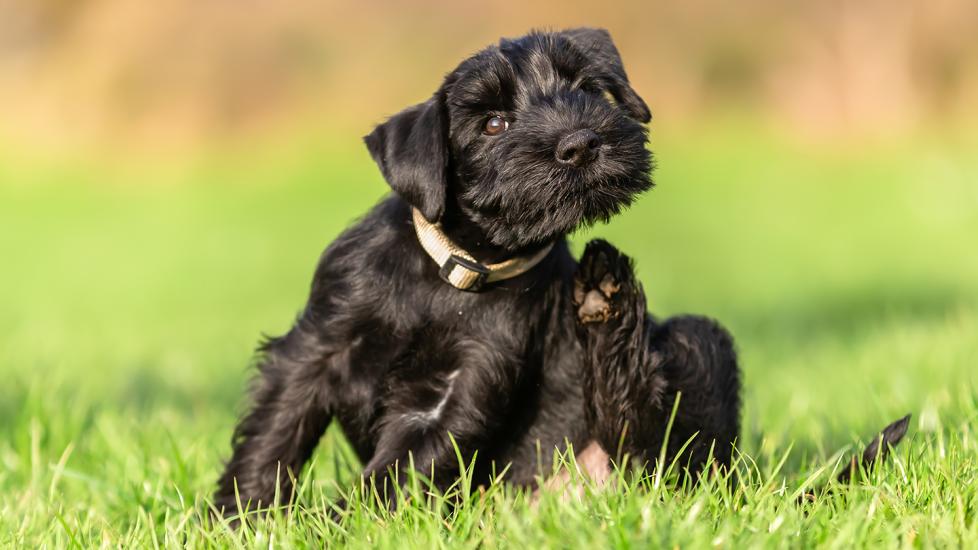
point(874, 453)
point(637, 368)
point(401, 359)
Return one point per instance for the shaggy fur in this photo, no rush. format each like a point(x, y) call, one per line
point(407, 364)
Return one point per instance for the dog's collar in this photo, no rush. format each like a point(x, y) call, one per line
point(458, 268)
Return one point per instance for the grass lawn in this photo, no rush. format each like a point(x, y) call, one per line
point(131, 296)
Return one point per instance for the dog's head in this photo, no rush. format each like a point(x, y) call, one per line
point(530, 139)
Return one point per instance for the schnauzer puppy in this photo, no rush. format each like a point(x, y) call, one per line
point(453, 315)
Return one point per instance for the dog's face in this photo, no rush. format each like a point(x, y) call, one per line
point(530, 139)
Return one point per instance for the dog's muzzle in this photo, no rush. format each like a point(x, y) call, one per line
point(458, 268)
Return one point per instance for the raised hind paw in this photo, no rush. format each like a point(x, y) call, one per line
point(604, 279)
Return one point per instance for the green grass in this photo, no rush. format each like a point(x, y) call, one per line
point(131, 296)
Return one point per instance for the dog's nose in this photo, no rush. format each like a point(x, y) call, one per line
point(578, 148)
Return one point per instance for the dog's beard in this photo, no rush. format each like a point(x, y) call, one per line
point(523, 197)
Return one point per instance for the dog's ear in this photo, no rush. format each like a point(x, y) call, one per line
point(411, 149)
point(596, 44)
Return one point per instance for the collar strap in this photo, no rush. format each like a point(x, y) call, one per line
point(458, 268)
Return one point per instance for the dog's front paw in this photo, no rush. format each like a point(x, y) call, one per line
point(604, 277)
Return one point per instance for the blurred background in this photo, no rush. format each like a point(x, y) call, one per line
point(184, 73)
point(170, 172)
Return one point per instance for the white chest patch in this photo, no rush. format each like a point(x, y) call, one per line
point(432, 415)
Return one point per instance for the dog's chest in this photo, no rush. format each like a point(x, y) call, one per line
point(420, 364)
point(466, 333)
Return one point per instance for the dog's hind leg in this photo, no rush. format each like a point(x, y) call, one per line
point(288, 416)
point(637, 369)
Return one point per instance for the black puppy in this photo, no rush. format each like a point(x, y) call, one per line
point(451, 311)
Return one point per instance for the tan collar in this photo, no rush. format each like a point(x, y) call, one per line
point(458, 268)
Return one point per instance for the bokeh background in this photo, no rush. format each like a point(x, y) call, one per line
point(170, 171)
point(186, 72)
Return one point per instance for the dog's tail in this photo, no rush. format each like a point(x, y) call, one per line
point(875, 452)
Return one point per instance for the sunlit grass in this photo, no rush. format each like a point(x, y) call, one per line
point(128, 312)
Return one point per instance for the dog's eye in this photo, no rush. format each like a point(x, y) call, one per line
point(495, 126)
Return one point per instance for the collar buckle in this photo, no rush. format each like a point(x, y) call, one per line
point(464, 274)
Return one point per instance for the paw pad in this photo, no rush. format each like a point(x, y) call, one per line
point(595, 309)
point(598, 281)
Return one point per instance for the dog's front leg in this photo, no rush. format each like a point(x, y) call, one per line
point(288, 416)
point(466, 417)
point(637, 369)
